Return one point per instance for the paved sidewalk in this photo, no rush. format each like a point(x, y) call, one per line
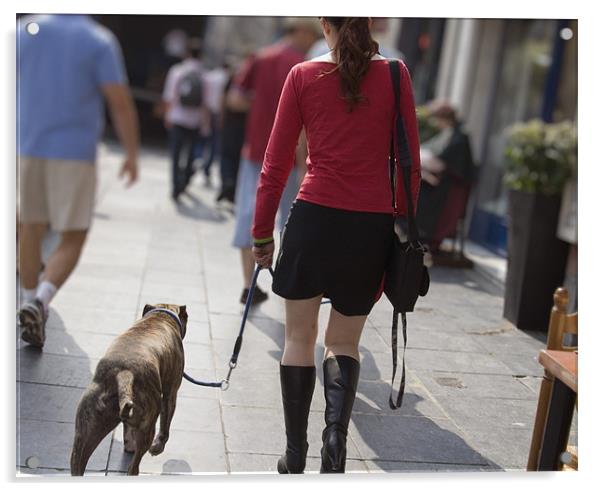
point(472, 379)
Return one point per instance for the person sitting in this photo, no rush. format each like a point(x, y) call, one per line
point(447, 171)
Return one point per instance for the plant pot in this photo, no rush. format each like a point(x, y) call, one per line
point(536, 259)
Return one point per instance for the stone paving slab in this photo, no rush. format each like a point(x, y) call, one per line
point(489, 413)
point(196, 392)
point(67, 371)
point(49, 402)
point(415, 439)
point(373, 398)
point(445, 361)
point(444, 384)
point(263, 463)
point(185, 452)
point(73, 343)
point(51, 444)
point(435, 338)
point(379, 466)
point(91, 320)
point(523, 365)
point(507, 447)
point(258, 430)
point(108, 300)
point(196, 333)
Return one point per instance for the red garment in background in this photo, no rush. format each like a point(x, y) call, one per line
point(263, 76)
point(348, 162)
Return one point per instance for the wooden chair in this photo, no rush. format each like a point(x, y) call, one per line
point(561, 325)
point(451, 224)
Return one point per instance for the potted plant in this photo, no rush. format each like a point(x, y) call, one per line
point(540, 159)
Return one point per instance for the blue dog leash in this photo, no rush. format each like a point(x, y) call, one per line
point(225, 383)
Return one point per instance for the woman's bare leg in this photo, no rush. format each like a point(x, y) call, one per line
point(343, 335)
point(300, 332)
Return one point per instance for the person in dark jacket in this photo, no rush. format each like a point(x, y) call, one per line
point(447, 173)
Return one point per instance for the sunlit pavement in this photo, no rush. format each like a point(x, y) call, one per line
point(473, 380)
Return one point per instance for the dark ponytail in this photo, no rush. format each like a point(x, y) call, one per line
point(353, 51)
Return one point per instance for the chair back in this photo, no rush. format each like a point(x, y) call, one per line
point(562, 330)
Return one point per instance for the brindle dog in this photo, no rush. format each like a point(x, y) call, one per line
point(136, 381)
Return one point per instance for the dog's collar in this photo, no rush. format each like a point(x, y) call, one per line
point(173, 316)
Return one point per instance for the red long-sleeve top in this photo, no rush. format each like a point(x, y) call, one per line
point(348, 152)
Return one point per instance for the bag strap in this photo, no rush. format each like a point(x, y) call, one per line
point(402, 384)
point(404, 157)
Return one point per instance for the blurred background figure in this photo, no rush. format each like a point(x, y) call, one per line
point(232, 135)
point(214, 82)
point(447, 174)
point(63, 73)
point(187, 118)
point(257, 88)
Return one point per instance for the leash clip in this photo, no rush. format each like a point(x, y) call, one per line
point(225, 385)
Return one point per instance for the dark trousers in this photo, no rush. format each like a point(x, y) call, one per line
point(209, 145)
point(232, 139)
point(182, 139)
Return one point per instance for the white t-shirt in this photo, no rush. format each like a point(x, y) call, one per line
point(178, 114)
point(215, 80)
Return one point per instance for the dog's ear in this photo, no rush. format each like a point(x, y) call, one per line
point(147, 309)
point(182, 314)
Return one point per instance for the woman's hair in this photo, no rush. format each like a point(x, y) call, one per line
point(353, 50)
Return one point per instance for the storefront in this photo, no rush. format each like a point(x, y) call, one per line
point(498, 72)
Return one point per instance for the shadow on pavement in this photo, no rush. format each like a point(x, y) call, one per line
point(468, 279)
point(191, 207)
point(274, 330)
point(49, 386)
point(406, 439)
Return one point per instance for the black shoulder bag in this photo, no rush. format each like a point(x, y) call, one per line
point(406, 276)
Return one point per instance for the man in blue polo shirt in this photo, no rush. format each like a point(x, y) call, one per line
point(67, 67)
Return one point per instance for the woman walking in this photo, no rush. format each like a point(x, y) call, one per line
point(339, 230)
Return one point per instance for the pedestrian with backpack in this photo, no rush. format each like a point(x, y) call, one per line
point(186, 116)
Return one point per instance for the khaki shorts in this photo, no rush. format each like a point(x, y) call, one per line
point(60, 193)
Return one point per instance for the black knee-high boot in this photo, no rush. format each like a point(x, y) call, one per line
point(297, 386)
point(341, 374)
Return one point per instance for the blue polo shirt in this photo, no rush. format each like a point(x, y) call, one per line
point(60, 72)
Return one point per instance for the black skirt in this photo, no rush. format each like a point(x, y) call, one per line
point(338, 253)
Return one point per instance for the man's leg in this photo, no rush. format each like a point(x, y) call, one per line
point(32, 223)
point(33, 218)
point(175, 147)
point(71, 187)
point(31, 236)
point(212, 140)
point(193, 139)
point(245, 207)
point(63, 260)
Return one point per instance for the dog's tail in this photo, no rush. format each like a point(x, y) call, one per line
point(125, 381)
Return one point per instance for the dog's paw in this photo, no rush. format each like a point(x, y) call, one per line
point(157, 447)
